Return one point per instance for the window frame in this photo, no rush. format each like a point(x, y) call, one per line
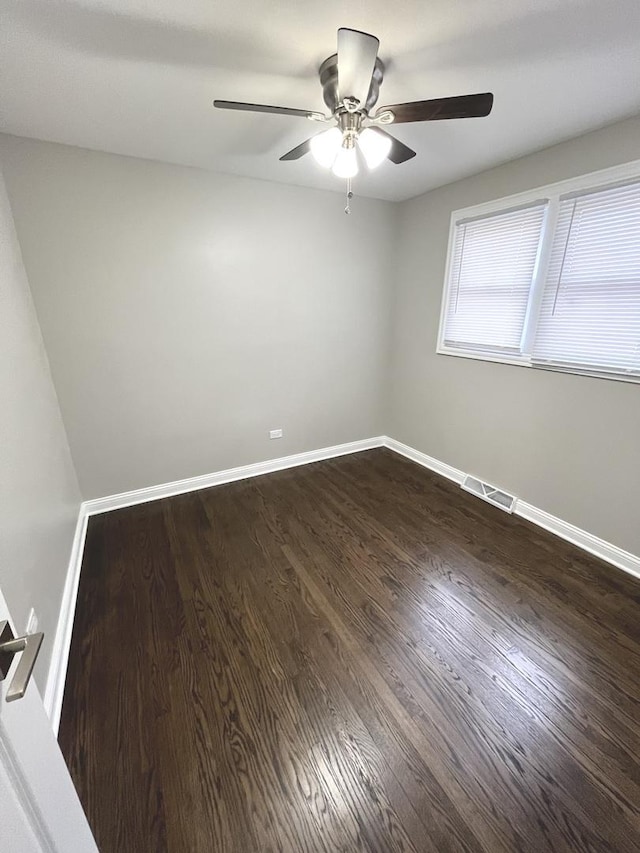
point(551, 194)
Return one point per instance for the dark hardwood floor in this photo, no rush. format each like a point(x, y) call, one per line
point(352, 655)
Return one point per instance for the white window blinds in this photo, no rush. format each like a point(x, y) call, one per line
point(492, 267)
point(590, 313)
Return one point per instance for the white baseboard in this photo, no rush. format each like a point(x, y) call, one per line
point(54, 691)
point(204, 481)
point(608, 552)
point(426, 461)
point(587, 541)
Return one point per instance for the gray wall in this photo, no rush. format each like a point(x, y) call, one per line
point(39, 496)
point(186, 313)
point(567, 444)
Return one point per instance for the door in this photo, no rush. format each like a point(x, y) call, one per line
point(39, 809)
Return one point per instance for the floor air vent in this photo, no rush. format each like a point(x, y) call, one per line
point(489, 493)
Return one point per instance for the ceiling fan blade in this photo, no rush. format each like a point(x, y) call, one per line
point(399, 152)
point(462, 106)
point(298, 152)
point(265, 108)
point(357, 53)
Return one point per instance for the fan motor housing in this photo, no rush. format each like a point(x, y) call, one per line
point(329, 80)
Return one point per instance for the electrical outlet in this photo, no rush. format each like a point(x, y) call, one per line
point(32, 622)
point(275, 433)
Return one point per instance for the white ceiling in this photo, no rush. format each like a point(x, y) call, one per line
point(138, 77)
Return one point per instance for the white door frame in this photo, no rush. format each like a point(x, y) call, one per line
point(45, 799)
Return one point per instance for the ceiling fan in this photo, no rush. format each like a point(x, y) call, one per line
point(350, 82)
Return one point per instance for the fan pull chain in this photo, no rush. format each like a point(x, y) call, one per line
point(347, 209)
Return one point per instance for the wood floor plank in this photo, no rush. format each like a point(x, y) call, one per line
point(354, 655)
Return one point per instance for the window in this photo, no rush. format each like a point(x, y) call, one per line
point(494, 259)
point(549, 279)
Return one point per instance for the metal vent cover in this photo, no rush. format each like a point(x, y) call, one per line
point(489, 493)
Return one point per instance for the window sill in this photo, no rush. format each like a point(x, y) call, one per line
point(521, 361)
point(525, 361)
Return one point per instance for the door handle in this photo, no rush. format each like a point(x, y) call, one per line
point(10, 646)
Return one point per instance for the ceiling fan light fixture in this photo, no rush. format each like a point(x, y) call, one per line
point(325, 147)
point(356, 69)
point(374, 146)
point(346, 162)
